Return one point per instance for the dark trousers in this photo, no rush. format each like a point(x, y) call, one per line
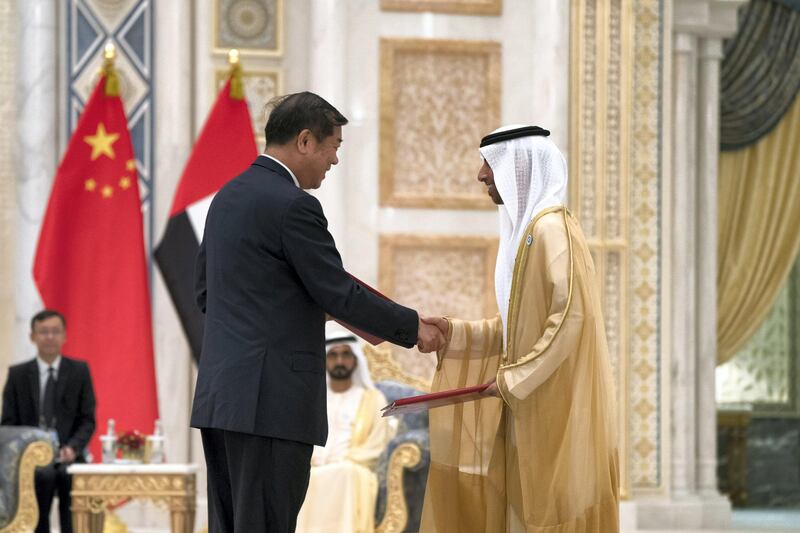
point(255, 484)
point(49, 481)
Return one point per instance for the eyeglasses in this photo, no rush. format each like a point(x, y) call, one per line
point(48, 332)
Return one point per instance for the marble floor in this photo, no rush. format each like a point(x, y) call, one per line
point(743, 521)
point(749, 520)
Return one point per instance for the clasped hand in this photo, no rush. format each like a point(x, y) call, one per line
point(432, 334)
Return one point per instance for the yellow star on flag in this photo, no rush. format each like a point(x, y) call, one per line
point(108, 191)
point(130, 164)
point(124, 182)
point(101, 142)
point(90, 185)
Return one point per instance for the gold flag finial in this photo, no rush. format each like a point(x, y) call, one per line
point(109, 71)
point(110, 51)
point(235, 75)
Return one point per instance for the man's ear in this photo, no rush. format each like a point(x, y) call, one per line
point(304, 141)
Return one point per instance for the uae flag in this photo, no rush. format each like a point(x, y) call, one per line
point(225, 148)
point(90, 262)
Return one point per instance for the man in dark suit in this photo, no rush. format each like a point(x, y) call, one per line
point(55, 393)
point(267, 273)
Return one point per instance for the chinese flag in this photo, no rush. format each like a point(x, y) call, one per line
point(90, 263)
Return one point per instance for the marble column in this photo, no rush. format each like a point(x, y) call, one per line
point(327, 78)
point(683, 281)
point(173, 99)
point(698, 26)
point(37, 148)
point(8, 203)
point(709, 57)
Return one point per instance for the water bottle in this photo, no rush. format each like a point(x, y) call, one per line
point(109, 443)
point(156, 442)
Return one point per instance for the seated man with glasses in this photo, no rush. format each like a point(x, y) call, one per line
point(55, 393)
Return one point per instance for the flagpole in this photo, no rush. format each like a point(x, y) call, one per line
point(235, 75)
point(109, 71)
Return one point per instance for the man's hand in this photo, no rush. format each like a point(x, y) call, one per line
point(66, 455)
point(439, 322)
point(430, 337)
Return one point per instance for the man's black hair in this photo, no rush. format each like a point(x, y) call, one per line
point(296, 112)
point(45, 314)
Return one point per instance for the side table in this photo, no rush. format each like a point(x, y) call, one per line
point(94, 486)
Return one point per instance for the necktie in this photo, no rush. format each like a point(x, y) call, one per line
point(49, 403)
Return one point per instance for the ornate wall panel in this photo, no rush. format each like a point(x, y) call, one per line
point(129, 25)
point(465, 7)
point(644, 286)
point(764, 373)
point(253, 26)
point(260, 86)
point(615, 183)
point(438, 275)
point(437, 99)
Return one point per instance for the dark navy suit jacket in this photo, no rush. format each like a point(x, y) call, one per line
point(75, 402)
point(267, 272)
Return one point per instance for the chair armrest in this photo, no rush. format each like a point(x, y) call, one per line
point(22, 449)
point(408, 451)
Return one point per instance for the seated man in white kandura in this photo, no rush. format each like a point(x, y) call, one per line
point(342, 490)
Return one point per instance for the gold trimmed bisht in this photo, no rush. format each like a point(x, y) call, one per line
point(544, 458)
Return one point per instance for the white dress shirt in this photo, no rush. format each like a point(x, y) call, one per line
point(43, 368)
point(294, 178)
point(342, 412)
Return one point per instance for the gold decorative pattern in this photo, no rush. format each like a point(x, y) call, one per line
point(260, 86)
point(91, 494)
point(462, 7)
point(614, 172)
point(437, 99)
point(254, 27)
point(645, 183)
point(437, 275)
point(39, 453)
point(382, 366)
point(406, 455)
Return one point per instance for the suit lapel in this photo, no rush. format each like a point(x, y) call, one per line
point(33, 379)
point(64, 370)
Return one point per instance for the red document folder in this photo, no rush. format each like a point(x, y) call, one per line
point(372, 339)
point(416, 404)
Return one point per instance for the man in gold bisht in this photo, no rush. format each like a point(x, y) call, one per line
point(542, 455)
point(343, 488)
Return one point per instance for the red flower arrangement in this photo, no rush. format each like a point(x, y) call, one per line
point(130, 441)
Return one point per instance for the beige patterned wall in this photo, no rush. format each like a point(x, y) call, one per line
point(8, 208)
point(466, 7)
point(438, 275)
point(437, 97)
point(614, 171)
point(260, 86)
point(255, 27)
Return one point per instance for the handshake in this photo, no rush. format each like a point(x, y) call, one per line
point(432, 335)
